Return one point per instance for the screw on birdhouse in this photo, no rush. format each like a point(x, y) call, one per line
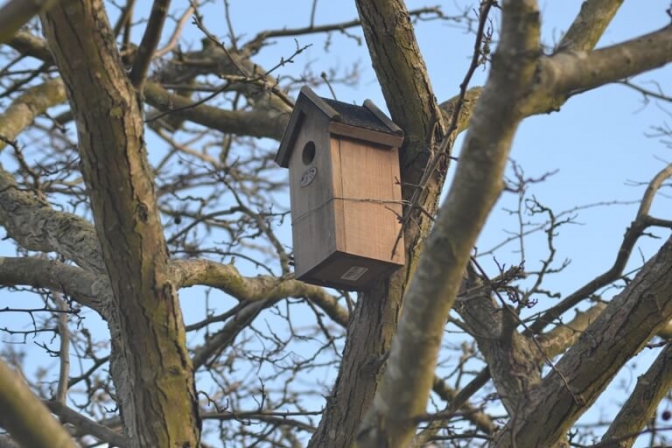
point(345, 192)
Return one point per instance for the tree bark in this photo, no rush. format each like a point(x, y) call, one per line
point(628, 322)
point(149, 347)
point(403, 392)
point(640, 408)
point(25, 417)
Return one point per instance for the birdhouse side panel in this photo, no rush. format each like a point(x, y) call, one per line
point(311, 195)
point(367, 200)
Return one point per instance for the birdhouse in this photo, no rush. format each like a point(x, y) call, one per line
point(343, 165)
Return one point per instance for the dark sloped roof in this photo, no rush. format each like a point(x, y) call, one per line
point(366, 116)
point(358, 116)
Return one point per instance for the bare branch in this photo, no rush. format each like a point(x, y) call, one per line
point(404, 388)
point(85, 425)
point(174, 38)
point(628, 322)
point(572, 72)
point(589, 25)
point(227, 278)
point(25, 417)
point(257, 41)
point(563, 336)
point(36, 226)
point(31, 45)
point(150, 40)
point(83, 286)
point(641, 405)
point(25, 108)
point(64, 349)
point(636, 229)
point(261, 122)
point(15, 13)
point(219, 341)
point(255, 124)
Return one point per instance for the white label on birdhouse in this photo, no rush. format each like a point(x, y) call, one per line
point(353, 273)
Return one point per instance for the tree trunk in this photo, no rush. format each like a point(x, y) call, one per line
point(151, 368)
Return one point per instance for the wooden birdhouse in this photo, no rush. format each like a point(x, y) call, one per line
point(343, 165)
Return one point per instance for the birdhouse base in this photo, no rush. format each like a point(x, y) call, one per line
point(350, 272)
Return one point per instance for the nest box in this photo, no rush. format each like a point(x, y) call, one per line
point(343, 165)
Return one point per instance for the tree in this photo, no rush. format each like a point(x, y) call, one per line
point(166, 186)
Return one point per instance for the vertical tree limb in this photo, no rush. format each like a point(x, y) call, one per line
point(149, 43)
point(404, 390)
point(149, 346)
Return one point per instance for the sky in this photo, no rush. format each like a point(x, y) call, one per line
point(598, 145)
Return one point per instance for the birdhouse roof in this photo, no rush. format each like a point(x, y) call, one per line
point(365, 122)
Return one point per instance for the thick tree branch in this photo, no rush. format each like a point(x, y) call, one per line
point(83, 286)
point(511, 358)
point(405, 386)
point(628, 322)
point(227, 278)
point(31, 45)
point(34, 225)
point(589, 25)
point(85, 425)
point(31, 103)
point(255, 123)
point(570, 72)
point(15, 13)
point(25, 417)
point(582, 71)
point(151, 351)
point(150, 40)
point(642, 403)
point(565, 335)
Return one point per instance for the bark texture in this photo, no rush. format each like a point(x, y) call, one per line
point(151, 367)
point(628, 322)
point(25, 417)
point(641, 405)
point(403, 392)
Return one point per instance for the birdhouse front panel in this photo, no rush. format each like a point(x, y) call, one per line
point(310, 195)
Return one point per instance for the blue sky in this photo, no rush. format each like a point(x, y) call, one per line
point(597, 142)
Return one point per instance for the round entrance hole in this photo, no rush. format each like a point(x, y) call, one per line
point(308, 153)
